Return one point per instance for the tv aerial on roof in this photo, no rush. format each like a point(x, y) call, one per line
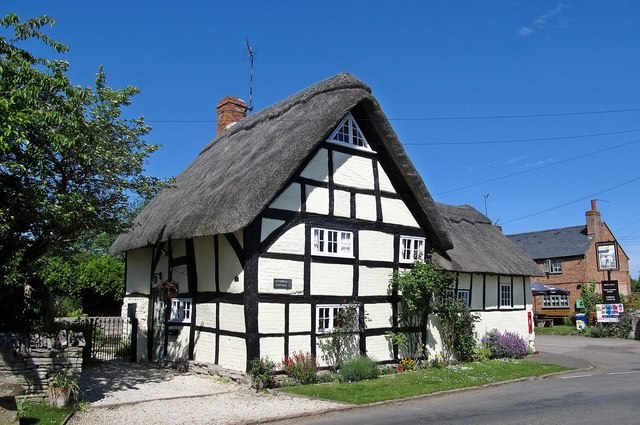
point(250, 50)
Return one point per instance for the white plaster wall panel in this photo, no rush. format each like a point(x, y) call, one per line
point(299, 343)
point(178, 248)
point(434, 341)
point(331, 279)
point(290, 242)
point(402, 352)
point(512, 321)
point(527, 285)
point(178, 345)
point(379, 315)
point(351, 350)
point(272, 347)
point(232, 317)
point(206, 315)
point(379, 348)
point(232, 353)
point(142, 313)
point(268, 226)
point(179, 276)
point(366, 207)
point(464, 281)
point(353, 171)
point(476, 292)
point(271, 318)
point(205, 263)
point(396, 212)
point(163, 267)
point(374, 281)
point(491, 301)
point(204, 349)
point(518, 293)
point(318, 168)
point(375, 246)
point(230, 268)
point(341, 203)
point(299, 318)
point(138, 267)
point(289, 199)
point(384, 181)
point(269, 269)
point(317, 200)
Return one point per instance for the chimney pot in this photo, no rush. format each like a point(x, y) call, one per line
point(230, 110)
point(593, 220)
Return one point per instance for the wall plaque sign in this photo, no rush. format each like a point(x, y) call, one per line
point(282, 283)
point(607, 258)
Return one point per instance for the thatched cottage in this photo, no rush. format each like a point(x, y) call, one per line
point(289, 214)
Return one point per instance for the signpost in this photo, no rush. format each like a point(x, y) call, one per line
point(610, 293)
point(609, 313)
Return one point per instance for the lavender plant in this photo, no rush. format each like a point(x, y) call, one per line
point(505, 345)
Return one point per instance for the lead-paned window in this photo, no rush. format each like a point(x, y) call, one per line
point(411, 249)
point(348, 132)
point(553, 266)
point(180, 310)
point(464, 295)
point(555, 301)
point(505, 295)
point(327, 316)
point(332, 242)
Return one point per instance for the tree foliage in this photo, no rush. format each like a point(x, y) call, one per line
point(69, 161)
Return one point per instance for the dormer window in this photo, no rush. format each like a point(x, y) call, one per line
point(349, 133)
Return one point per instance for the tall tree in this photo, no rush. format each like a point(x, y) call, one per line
point(69, 161)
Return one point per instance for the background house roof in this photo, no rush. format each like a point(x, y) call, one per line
point(236, 175)
point(554, 243)
point(480, 247)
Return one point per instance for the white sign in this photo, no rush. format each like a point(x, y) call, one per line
point(609, 313)
point(607, 257)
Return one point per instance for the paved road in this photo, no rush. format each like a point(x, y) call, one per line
point(607, 393)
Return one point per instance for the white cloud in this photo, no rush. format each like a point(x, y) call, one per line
point(515, 159)
point(541, 21)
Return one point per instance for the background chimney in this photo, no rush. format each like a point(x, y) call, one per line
point(593, 220)
point(230, 110)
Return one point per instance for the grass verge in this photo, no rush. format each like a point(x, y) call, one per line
point(559, 330)
point(426, 381)
point(42, 414)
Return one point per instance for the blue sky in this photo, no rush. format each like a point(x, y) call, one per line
point(453, 77)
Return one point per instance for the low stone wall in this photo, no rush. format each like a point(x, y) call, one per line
point(32, 363)
point(635, 327)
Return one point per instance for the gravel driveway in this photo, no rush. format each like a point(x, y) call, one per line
point(135, 393)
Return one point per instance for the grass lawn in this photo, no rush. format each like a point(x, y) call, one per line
point(559, 330)
point(41, 414)
point(426, 381)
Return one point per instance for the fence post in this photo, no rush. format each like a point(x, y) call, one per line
point(134, 340)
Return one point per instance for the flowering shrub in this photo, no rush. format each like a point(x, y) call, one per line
point(438, 361)
point(167, 286)
point(406, 364)
point(359, 368)
point(302, 367)
point(505, 345)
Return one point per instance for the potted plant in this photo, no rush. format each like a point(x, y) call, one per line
point(168, 289)
point(62, 390)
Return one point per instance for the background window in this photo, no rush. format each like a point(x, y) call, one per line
point(180, 310)
point(505, 295)
point(553, 265)
point(464, 295)
point(411, 249)
point(328, 315)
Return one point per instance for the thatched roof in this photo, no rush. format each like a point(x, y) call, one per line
point(480, 247)
point(237, 175)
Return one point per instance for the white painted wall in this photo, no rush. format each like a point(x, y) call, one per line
point(317, 169)
point(290, 242)
point(375, 246)
point(269, 269)
point(272, 347)
point(232, 317)
point(268, 226)
point(380, 315)
point(476, 292)
point(395, 211)
point(142, 313)
point(230, 268)
point(299, 343)
point(206, 315)
point(379, 348)
point(341, 203)
point(138, 267)
point(512, 321)
point(331, 279)
point(204, 349)
point(352, 171)
point(366, 207)
point(374, 281)
point(384, 181)
point(271, 318)
point(317, 200)
point(299, 318)
point(232, 353)
point(205, 263)
point(289, 199)
point(178, 345)
point(178, 248)
point(491, 301)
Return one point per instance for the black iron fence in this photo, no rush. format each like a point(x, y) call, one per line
point(107, 338)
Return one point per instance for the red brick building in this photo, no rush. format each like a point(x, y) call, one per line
point(569, 258)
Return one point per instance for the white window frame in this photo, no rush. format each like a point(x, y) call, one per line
point(325, 313)
point(555, 301)
point(352, 140)
point(323, 239)
point(416, 246)
point(180, 311)
point(505, 289)
point(464, 295)
point(553, 266)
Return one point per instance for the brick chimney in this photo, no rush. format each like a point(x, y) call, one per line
point(593, 220)
point(230, 110)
